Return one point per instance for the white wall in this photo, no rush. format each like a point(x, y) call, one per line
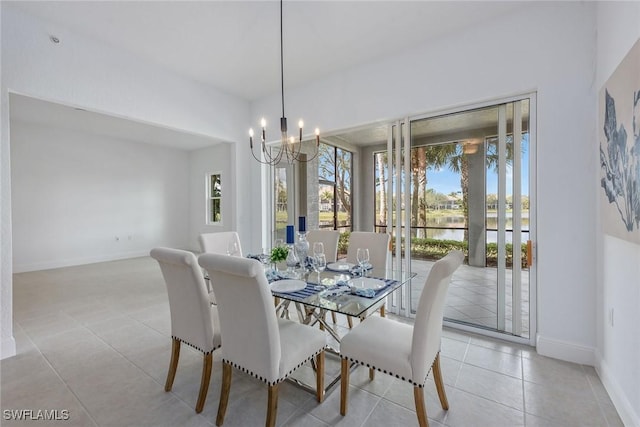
point(79, 198)
point(548, 47)
point(217, 159)
point(89, 74)
point(7, 342)
point(618, 356)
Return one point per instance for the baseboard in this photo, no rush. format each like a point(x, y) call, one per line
point(8, 348)
point(566, 351)
point(24, 268)
point(625, 409)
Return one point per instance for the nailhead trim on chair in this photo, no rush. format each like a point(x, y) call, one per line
point(246, 371)
point(391, 373)
point(195, 346)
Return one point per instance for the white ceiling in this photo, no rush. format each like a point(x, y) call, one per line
point(234, 45)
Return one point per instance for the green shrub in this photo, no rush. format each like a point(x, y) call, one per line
point(434, 249)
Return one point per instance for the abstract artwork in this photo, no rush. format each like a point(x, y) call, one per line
point(619, 130)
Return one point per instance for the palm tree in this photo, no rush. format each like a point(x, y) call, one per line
point(458, 162)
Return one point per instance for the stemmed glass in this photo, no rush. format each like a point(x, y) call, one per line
point(319, 264)
point(232, 248)
point(318, 248)
point(363, 259)
point(264, 259)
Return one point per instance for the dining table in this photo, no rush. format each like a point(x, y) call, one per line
point(343, 290)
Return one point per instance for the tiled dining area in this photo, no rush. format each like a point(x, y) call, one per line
point(95, 340)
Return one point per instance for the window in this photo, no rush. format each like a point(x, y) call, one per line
point(334, 188)
point(214, 199)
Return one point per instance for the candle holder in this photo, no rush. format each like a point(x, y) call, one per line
point(302, 249)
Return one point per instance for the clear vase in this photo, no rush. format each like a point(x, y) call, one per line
point(302, 248)
point(292, 262)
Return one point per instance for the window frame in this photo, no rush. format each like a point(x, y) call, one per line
point(210, 198)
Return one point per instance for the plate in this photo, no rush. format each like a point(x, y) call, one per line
point(366, 283)
point(340, 266)
point(288, 285)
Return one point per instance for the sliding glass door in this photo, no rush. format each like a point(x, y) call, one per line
point(462, 181)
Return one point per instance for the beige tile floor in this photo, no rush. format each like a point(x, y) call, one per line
point(94, 340)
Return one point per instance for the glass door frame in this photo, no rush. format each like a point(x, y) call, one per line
point(400, 130)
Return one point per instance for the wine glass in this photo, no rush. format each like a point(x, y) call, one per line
point(232, 248)
point(264, 259)
point(318, 248)
point(363, 258)
point(319, 264)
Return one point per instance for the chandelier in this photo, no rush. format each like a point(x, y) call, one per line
point(289, 148)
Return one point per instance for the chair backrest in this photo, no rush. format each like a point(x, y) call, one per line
point(191, 313)
point(248, 322)
point(330, 240)
point(377, 243)
point(218, 243)
point(427, 328)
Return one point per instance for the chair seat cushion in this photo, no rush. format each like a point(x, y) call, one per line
point(298, 343)
point(382, 344)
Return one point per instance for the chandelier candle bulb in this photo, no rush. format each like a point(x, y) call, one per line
point(251, 138)
point(317, 137)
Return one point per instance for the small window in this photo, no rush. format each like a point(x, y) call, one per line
point(214, 199)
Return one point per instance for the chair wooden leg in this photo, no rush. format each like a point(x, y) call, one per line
point(418, 395)
point(333, 317)
point(350, 322)
point(344, 386)
point(224, 392)
point(372, 374)
point(383, 312)
point(320, 376)
point(272, 405)
point(437, 377)
point(173, 365)
point(204, 381)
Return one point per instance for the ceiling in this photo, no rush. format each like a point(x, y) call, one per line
point(31, 110)
point(234, 45)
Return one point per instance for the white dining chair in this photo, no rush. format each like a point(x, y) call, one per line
point(218, 243)
point(194, 321)
point(404, 351)
point(256, 341)
point(329, 238)
point(379, 253)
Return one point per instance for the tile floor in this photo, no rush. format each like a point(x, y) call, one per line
point(473, 296)
point(94, 340)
